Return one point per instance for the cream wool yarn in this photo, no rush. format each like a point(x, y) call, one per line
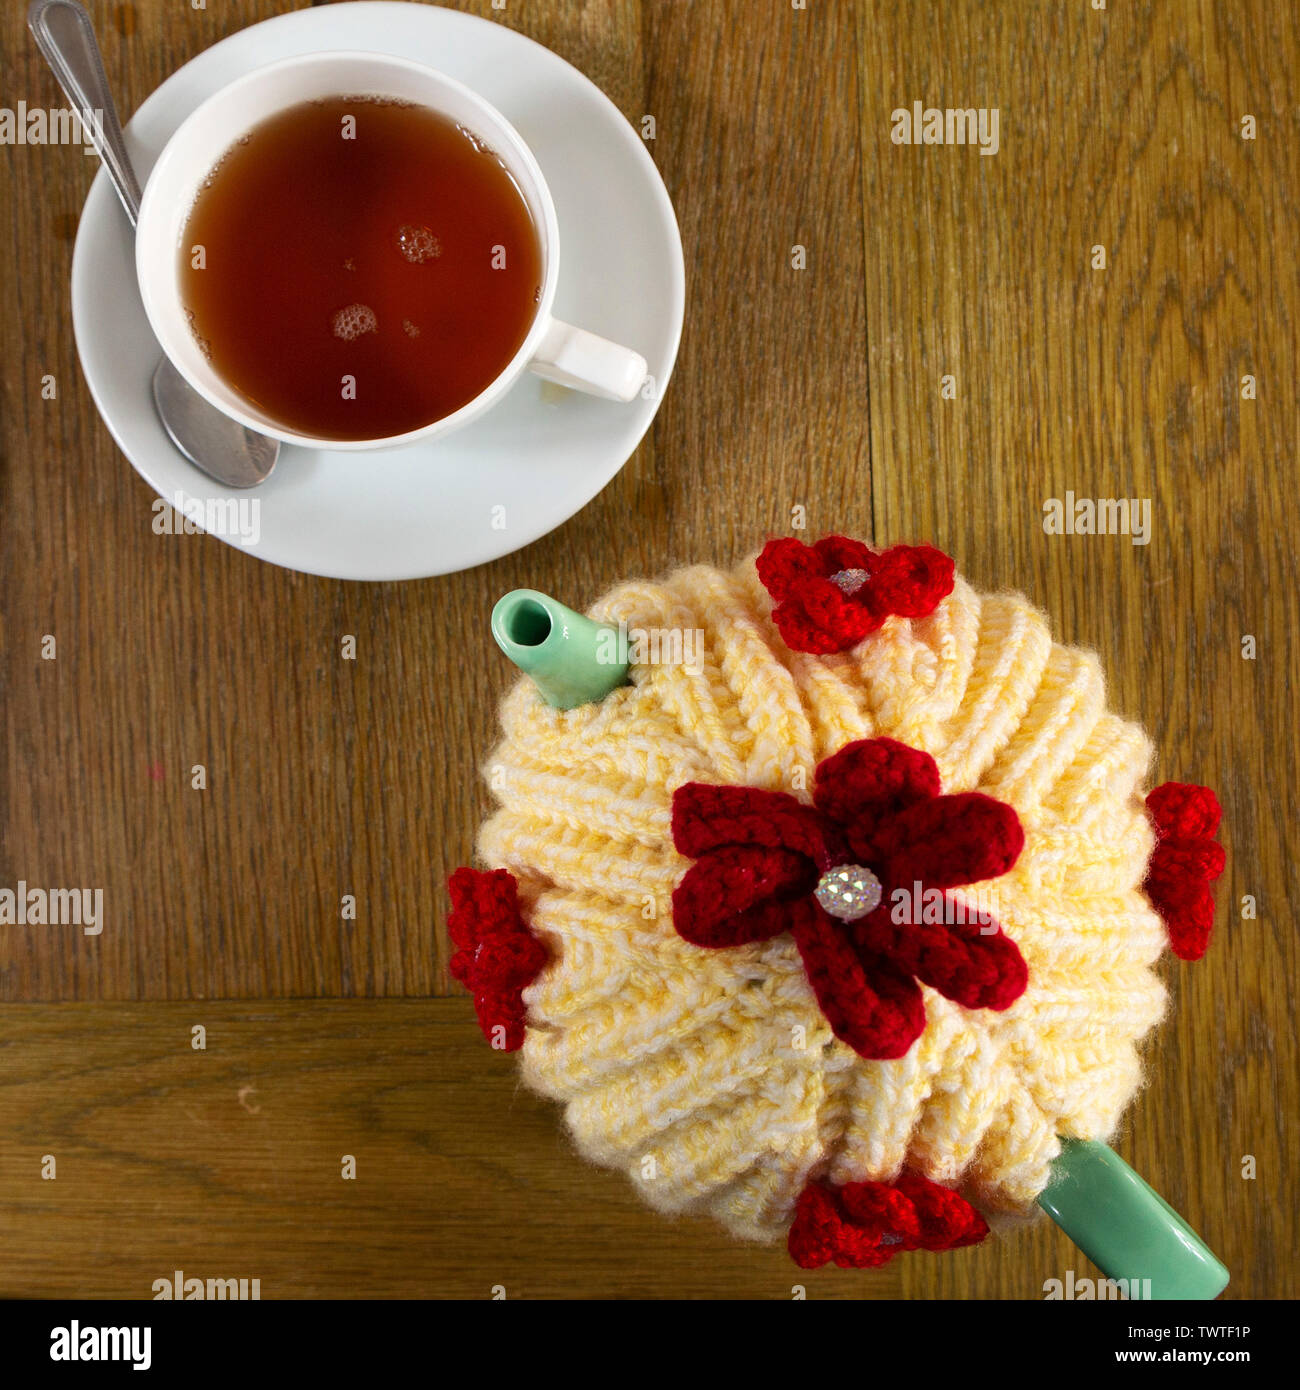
point(711, 1077)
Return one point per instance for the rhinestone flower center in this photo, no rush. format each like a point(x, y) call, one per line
point(848, 582)
point(848, 892)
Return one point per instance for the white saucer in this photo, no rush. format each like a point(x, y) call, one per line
point(535, 458)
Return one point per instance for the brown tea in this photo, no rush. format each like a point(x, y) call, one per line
point(358, 267)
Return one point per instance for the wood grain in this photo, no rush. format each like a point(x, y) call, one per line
point(814, 388)
point(1122, 129)
point(227, 1163)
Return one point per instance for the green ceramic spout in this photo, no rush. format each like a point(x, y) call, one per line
point(1126, 1227)
point(570, 659)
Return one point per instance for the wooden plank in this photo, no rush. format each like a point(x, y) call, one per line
point(1120, 129)
point(757, 141)
point(227, 1163)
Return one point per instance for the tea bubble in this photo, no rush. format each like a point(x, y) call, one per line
point(479, 143)
point(353, 321)
point(417, 244)
point(410, 329)
point(204, 346)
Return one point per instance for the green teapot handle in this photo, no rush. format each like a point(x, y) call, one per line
point(1126, 1228)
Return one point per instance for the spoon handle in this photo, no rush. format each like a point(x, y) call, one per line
point(65, 35)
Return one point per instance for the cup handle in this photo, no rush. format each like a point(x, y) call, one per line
point(573, 357)
point(1126, 1228)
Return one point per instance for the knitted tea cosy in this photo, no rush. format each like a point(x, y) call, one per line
point(843, 910)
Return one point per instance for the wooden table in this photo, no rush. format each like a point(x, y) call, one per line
point(818, 387)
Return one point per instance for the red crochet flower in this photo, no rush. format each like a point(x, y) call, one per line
point(767, 862)
point(832, 594)
point(498, 957)
point(1185, 861)
point(865, 1224)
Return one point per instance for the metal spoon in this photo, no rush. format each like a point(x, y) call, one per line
point(221, 447)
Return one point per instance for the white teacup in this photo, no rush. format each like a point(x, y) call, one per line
point(552, 349)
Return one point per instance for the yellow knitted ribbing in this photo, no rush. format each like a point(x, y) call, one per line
point(711, 1076)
